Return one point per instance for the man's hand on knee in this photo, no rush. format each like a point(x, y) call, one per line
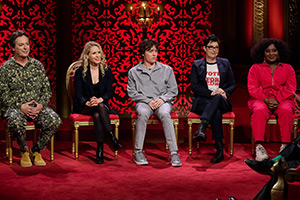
point(30, 111)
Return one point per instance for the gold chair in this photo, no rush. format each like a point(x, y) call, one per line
point(287, 177)
point(273, 121)
point(227, 119)
point(78, 120)
point(30, 127)
point(153, 120)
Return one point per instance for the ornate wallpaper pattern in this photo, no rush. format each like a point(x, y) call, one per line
point(38, 19)
point(180, 33)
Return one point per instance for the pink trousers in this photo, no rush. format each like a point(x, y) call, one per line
point(260, 115)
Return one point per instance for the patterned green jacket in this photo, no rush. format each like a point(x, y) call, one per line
point(19, 85)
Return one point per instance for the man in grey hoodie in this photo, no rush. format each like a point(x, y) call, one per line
point(152, 85)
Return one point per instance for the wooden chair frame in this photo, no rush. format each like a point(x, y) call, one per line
point(225, 121)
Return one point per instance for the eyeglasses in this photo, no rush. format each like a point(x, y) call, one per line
point(213, 48)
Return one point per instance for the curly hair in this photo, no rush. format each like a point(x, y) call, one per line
point(85, 61)
point(146, 45)
point(257, 51)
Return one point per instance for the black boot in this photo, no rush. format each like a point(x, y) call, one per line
point(219, 154)
point(200, 135)
point(115, 141)
point(99, 153)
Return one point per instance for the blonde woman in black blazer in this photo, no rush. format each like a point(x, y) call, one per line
point(93, 89)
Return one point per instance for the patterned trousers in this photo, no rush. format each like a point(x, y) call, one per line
point(47, 120)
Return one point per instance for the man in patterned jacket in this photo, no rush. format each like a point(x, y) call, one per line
point(24, 94)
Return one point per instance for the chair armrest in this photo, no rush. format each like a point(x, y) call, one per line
point(291, 174)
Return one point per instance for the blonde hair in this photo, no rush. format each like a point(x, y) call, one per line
point(85, 61)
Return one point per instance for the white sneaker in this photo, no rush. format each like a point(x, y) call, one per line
point(282, 147)
point(261, 153)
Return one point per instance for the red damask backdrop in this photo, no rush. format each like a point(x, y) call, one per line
point(180, 32)
point(38, 19)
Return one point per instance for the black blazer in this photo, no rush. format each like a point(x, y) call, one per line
point(83, 88)
point(198, 81)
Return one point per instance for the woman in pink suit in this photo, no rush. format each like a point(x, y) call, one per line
point(271, 85)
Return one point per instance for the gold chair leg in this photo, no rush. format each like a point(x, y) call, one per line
point(9, 147)
point(73, 141)
point(117, 136)
point(176, 132)
point(133, 136)
point(52, 149)
point(6, 145)
point(190, 137)
point(231, 137)
point(76, 140)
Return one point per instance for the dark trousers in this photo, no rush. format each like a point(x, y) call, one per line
point(212, 109)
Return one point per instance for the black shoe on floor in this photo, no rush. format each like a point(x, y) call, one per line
point(261, 167)
point(99, 153)
point(219, 153)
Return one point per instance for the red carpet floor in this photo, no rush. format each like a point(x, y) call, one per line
point(120, 178)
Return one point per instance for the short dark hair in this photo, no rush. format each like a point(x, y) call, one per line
point(146, 45)
point(211, 38)
point(257, 51)
point(14, 36)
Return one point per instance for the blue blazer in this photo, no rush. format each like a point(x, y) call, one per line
point(84, 88)
point(198, 80)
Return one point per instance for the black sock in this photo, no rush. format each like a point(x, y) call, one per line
point(35, 149)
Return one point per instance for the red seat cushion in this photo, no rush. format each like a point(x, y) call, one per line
point(80, 117)
point(173, 115)
point(30, 123)
point(228, 115)
point(294, 187)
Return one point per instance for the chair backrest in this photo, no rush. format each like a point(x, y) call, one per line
point(70, 81)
